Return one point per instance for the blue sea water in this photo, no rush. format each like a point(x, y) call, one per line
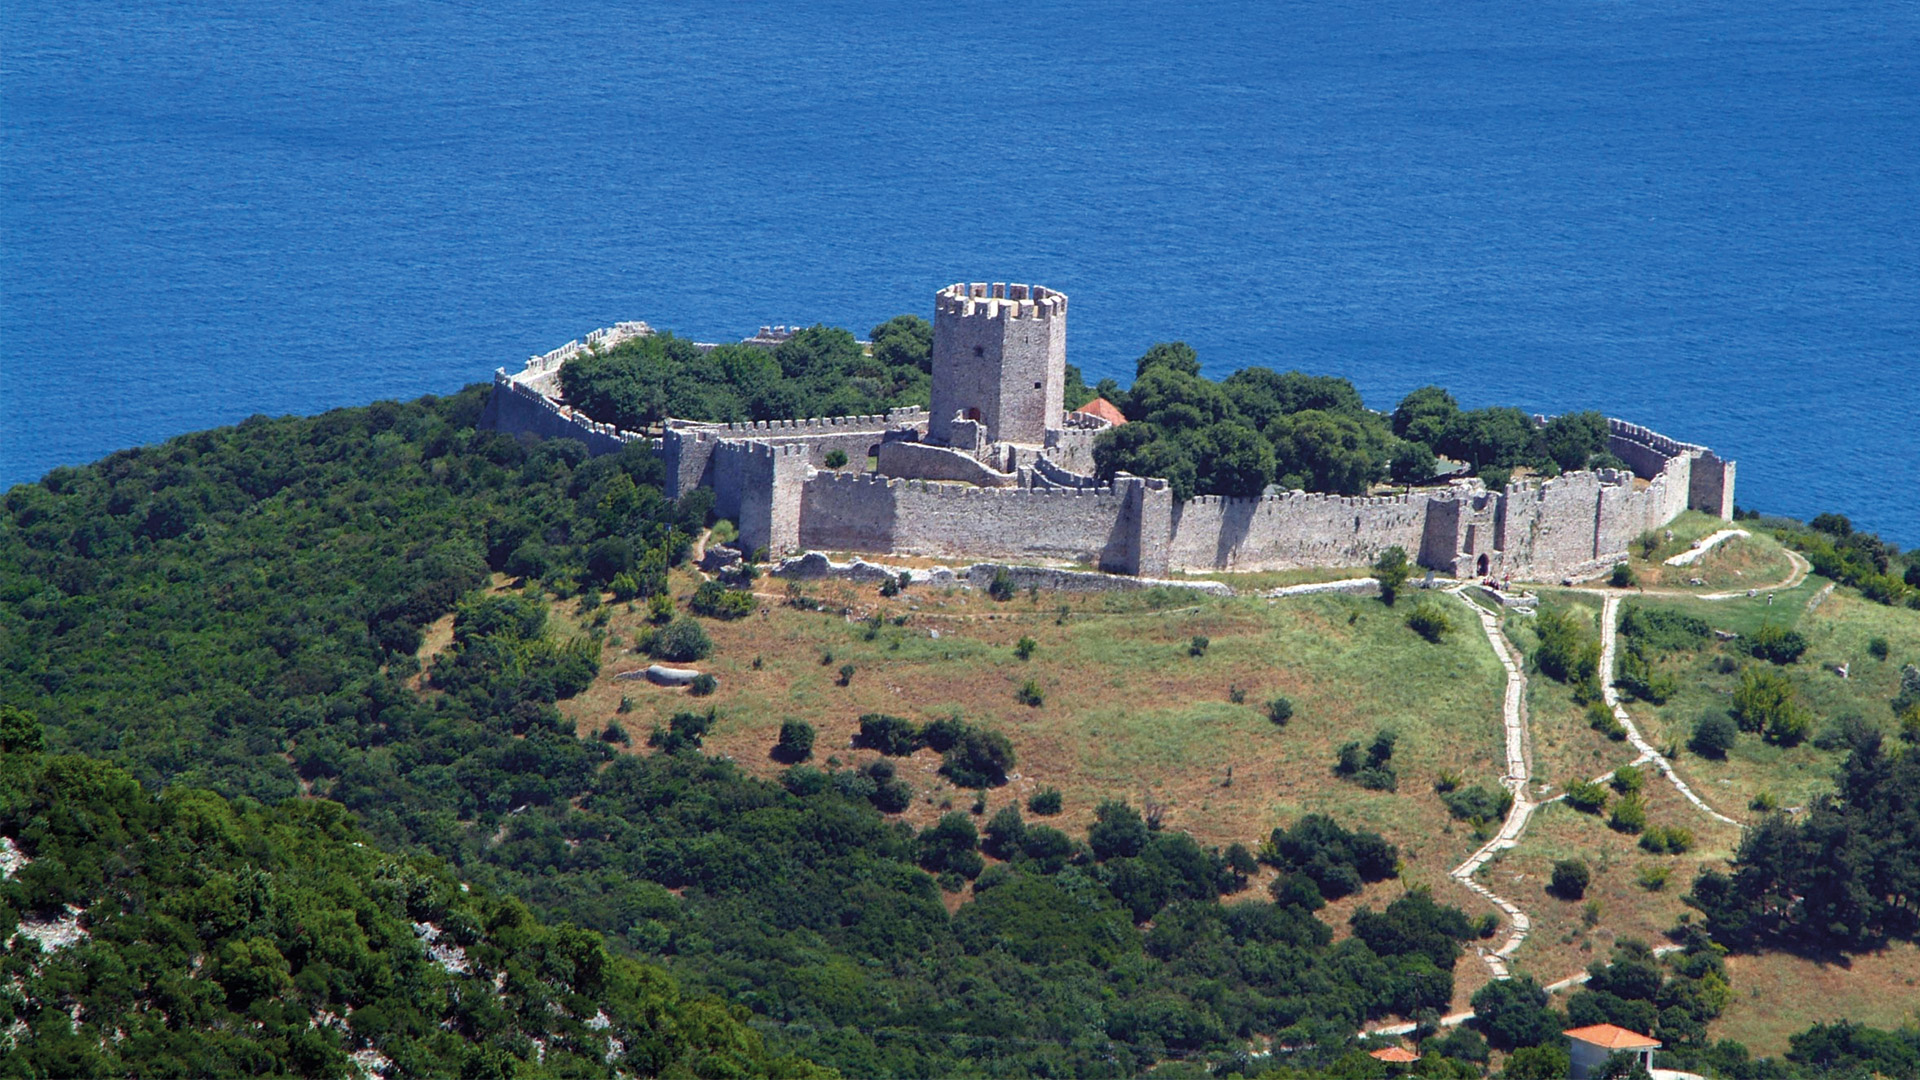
point(1704, 216)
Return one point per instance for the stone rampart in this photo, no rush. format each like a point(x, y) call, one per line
point(515, 408)
point(917, 517)
point(1296, 529)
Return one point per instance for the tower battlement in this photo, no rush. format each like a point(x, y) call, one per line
point(999, 300)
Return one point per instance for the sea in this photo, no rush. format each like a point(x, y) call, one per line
point(1702, 216)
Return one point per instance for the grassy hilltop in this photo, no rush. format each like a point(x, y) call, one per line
point(1070, 834)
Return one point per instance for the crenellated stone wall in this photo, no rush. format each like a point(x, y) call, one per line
point(1279, 532)
point(917, 517)
point(515, 408)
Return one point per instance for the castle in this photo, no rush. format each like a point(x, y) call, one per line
point(998, 469)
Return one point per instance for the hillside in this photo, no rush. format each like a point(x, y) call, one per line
point(190, 935)
point(390, 611)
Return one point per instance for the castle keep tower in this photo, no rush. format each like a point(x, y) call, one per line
point(999, 358)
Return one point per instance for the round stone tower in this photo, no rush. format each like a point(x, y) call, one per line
point(999, 359)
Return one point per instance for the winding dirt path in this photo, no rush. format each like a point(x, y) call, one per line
point(1609, 639)
point(1513, 715)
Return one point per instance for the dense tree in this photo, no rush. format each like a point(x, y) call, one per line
point(1341, 453)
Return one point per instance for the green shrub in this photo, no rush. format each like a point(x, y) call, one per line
point(1764, 702)
point(660, 608)
point(1878, 648)
point(836, 459)
point(1478, 803)
point(1628, 780)
point(684, 732)
point(1001, 588)
point(1600, 718)
point(1446, 781)
point(702, 685)
point(1635, 673)
point(1713, 735)
point(724, 532)
point(1198, 646)
point(716, 601)
point(796, 742)
point(1024, 648)
point(1658, 629)
point(1570, 879)
point(1629, 814)
point(1566, 653)
point(1587, 797)
point(1776, 644)
point(1279, 711)
point(1391, 570)
point(1427, 620)
point(1373, 769)
point(1030, 694)
point(1045, 802)
point(979, 759)
point(1667, 840)
point(1653, 877)
point(681, 641)
point(846, 675)
point(1622, 576)
point(615, 733)
point(890, 735)
point(1006, 833)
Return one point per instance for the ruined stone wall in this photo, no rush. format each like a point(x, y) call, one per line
point(999, 350)
point(1710, 488)
point(921, 461)
point(917, 517)
point(1279, 532)
point(1048, 474)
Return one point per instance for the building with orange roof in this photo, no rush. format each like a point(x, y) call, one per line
point(1591, 1046)
point(1105, 410)
point(1394, 1055)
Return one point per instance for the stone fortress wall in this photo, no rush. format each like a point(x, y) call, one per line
point(965, 489)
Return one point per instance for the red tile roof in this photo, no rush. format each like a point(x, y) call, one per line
point(1612, 1037)
point(1103, 409)
point(1394, 1053)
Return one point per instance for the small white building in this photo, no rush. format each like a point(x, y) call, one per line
point(1590, 1047)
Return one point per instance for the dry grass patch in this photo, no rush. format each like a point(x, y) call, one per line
point(1562, 942)
point(1129, 713)
point(1779, 994)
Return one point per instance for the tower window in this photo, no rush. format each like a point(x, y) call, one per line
point(1036, 386)
point(979, 350)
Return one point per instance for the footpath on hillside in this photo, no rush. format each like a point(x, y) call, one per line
point(1518, 773)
